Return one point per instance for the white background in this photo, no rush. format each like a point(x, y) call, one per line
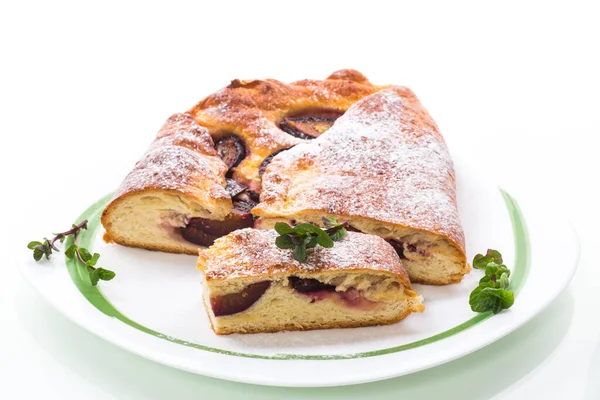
point(84, 87)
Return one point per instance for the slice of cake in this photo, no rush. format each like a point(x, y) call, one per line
point(250, 285)
point(384, 168)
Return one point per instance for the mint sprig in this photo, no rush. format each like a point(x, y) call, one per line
point(305, 236)
point(48, 246)
point(491, 294)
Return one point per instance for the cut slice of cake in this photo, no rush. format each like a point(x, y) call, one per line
point(250, 285)
point(384, 168)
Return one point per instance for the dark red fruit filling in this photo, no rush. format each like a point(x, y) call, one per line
point(234, 303)
point(267, 160)
point(399, 247)
point(310, 123)
point(307, 285)
point(234, 188)
point(204, 231)
point(194, 234)
point(231, 150)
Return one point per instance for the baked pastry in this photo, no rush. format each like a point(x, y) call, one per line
point(250, 285)
point(179, 178)
point(384, 168)
point(201, 176)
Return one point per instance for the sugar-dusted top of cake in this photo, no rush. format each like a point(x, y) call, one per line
point(384, 159)
point(253, 253)
point(182, 158)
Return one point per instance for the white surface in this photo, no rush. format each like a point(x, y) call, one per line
point(162, 292)
point(519, 82)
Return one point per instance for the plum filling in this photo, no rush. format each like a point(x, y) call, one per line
point(204, 231)
point(402, 248)
point(318, 291)
point(234, 188)
point(234, 303)
point(304, 285)
point(266, 161)
point(231, 150)
point(309, 124)
point(399, 247)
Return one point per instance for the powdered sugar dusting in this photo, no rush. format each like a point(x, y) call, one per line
point(251, 252)
point(181, 158)
point(384, 159)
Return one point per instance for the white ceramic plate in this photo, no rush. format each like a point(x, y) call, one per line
point(154, 308)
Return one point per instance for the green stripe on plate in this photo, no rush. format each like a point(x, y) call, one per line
point(95, 296)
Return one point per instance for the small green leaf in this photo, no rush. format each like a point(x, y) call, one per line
point(329, 222)
point(338, 235)
point(324, 240)
point(300, 250)
point(31, 245)
point(312, 242)
point(282, 228)
point(307, 228)
point(37, 254)
point(503, 281)
point(46, 249)
point(284, 242)
point(491, 269)
point(85, 254)
point(105, 274)
point(70, 252)
point(495, 256)
point(484, 299)
point(94, 277)
point(480, 261)
point(94, 260)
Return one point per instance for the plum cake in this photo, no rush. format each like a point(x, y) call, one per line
point(250, 285)
point(261, 151)
point(384, 168)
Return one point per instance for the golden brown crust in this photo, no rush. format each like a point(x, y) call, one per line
point(252, 253)
point(182, 158)
point(181, 162)
point(384, 161)
point(307, 327)
point(252, 109)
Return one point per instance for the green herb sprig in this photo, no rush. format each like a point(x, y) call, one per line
point(306, 236)
point(47, 246)
point(491, 294)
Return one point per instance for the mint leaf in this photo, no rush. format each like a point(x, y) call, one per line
point(105, 274)
point(338, 235)
point(94, 277)
point(312, 241)
point(305, 236)
point(70, 252)
point(495, 256)
point(94, 260)
point(305, 228)
point(32, 245)
point(284, 242)
point(282, 228)
point(503, 281)
point(300, 251)
point(490, 299)
point(85, 254)
point(324, 240)
point(329, 222)
point(491, 294)
point(480, 261)
point(37, 254)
